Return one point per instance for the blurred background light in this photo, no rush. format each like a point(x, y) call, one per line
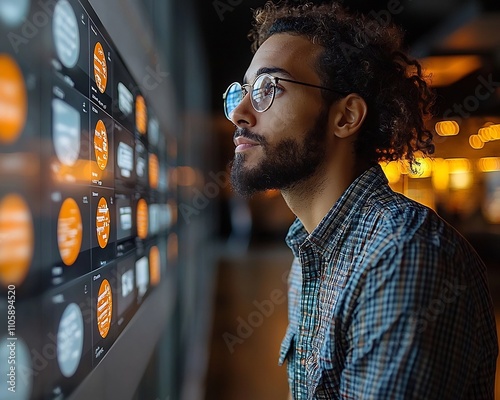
point(447, 128)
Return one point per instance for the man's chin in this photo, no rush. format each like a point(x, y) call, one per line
point(242, 187)
point(245, 181)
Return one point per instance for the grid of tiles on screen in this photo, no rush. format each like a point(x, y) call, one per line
point(87, 212)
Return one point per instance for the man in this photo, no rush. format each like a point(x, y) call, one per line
point(386, 301)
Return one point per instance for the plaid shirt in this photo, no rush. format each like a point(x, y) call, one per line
point(387, 301)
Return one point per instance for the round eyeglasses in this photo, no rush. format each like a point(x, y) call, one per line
point(262, 92)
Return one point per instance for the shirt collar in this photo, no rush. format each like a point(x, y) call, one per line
point(337, 219)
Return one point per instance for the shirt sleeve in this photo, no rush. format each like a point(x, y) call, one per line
point(420, 326)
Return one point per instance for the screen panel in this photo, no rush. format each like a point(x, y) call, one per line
point(86, 208)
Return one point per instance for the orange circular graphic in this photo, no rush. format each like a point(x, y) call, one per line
point(154, 170)
point(102, 220)
point(69, 231)
point(17, 240)
point(141, 115)
point(100, 68)
point(13, 100)
point(101, 145)
point(104, 308)
point(154, 265)
point(142, 219)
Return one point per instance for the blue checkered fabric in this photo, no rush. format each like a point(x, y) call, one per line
point(387, 301)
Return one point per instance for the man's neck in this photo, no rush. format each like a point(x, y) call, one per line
point(311, 200)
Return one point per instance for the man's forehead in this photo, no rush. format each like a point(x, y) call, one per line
point(294, 54)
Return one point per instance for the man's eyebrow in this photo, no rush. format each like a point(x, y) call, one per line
point(269, 70)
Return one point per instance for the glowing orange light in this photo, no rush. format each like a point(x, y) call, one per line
point(445, 70)
point(13, 100)
point(421, 169)
point(142, 219)
point(489, 164)
point(476, 142)
point(184, 176)
point(403, 166)
point(141, 115)
point(69, 231)
point(459, 165)
point(461, 180)
point(17, 239)
point(100, 68)
point(440, 174)
point(391, 171)
point(486, 134)
point(104, 308)
point(495, 131)
point(154, 265)
point(101, 145)
point(460, 173)
point(154, 170)
point(103, 222)
point(271, 193)
point(447, 128)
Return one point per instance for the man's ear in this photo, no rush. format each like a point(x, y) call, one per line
point(347, 115)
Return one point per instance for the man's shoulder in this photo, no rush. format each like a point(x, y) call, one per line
point(405, 244)
point(375, 204)
point(391, 213)
point(391, 219)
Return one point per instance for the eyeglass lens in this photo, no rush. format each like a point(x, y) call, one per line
point(261, 96)
point(233, 98)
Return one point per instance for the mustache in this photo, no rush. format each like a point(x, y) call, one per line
point(247, 133)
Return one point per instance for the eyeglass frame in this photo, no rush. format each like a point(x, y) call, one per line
point(275, 81)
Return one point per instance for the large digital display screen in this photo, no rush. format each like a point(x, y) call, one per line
point(86, 209)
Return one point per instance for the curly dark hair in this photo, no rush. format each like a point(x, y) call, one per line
point(361, 56)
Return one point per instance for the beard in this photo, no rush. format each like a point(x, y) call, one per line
point(285, 164)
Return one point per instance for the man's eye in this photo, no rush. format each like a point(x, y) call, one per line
point(267, 89)
point(278, 89)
